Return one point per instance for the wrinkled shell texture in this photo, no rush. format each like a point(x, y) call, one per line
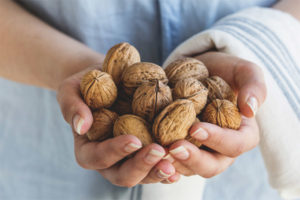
point(98, 89)
point(174, 121)
point(219, 89)
point(118, 58)
point(133, 125)
point(186, 68)
point(139, 73)
point(222, 113)
point(103, 123)
point(193, 90)
point(150, 98)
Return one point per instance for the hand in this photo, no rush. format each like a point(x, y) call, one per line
point(145, 166)
point(247, 80)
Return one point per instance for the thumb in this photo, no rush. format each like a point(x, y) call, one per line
point(73, 108)
point(249, 81)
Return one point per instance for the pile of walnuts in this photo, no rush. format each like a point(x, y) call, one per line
point(155, 105)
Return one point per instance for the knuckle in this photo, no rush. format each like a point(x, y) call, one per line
point(124, 183)
point(81, 163)
point(103, 164)
point(238, 150)
point(210, 174)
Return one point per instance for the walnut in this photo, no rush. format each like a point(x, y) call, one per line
point(133, 125)
point(150, 98)
point(222, 113)
point(98, 89)
point(118, 58)
point(219, 89)
point(174, 122)
point(122, 105)
point(185, 68)
point(139, 73)
point(193, 90)
point(102, 127)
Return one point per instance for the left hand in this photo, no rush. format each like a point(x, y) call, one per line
point(247, 80)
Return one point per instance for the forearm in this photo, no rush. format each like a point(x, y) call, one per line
point(290, 6)
point(34, 53)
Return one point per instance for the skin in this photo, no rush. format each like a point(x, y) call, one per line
point(45, 57)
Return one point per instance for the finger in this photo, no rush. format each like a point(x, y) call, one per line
point(172, 179)
point(249, 81)
point(95, 155)
point(201, 162)
point(227, 141)
point(134, 170)
point(73, 108)
point(163, 170)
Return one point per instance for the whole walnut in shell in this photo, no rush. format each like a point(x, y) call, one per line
point(174, 122)
point(133, 125)
point(185, 68)
point(118, 58)
point(193, 90)
point(219, 89)
point(98, 89)
point(103, 123)
point(150, 98)
point(139, 73)
point(222, 113)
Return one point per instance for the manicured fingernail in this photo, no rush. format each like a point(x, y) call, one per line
point(153, 156)
point(252, 103)
point(169, 158)
point(77, 123)
point(200, 134)
point(131, 147)
point(162, 174)
point(180, 153)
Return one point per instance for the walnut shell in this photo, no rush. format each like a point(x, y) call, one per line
point(98, 89)
point(192, 140)
point(219, 89)
point(193, 90)
point(185, 68)
point(103, 123)
point(118, 58)
point(174, 122)
point(150, 98)
point(222, 113)
point(133, 125)
point(139, 73)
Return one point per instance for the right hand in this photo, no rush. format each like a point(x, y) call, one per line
point(144, 167)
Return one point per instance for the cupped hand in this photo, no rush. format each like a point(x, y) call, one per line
point(247, 80)
point(107, 157)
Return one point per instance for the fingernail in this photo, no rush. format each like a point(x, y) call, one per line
point(200, 134)
point(131, 147)
point(180, 153)
point(169, 158)
point(77, 123)
point(162, 174)
point(153, 156)
point(252, 103)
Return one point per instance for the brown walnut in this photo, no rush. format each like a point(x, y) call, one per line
point(185, 68)
point(103, 123)
point(174, 122)
point(150, 98)
point(98, 89)
point(118, 58)
point(219, 89)
point(133, 125)
point(222, 113)
point(139, 73)
point(193, 90)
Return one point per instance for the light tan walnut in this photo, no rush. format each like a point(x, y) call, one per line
point(118, 58)
point(98, 89)
point(222, 113)
point(193, 90)
point(133, 125)
point(185, 68)
point(174, 122)
point(103, 123)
